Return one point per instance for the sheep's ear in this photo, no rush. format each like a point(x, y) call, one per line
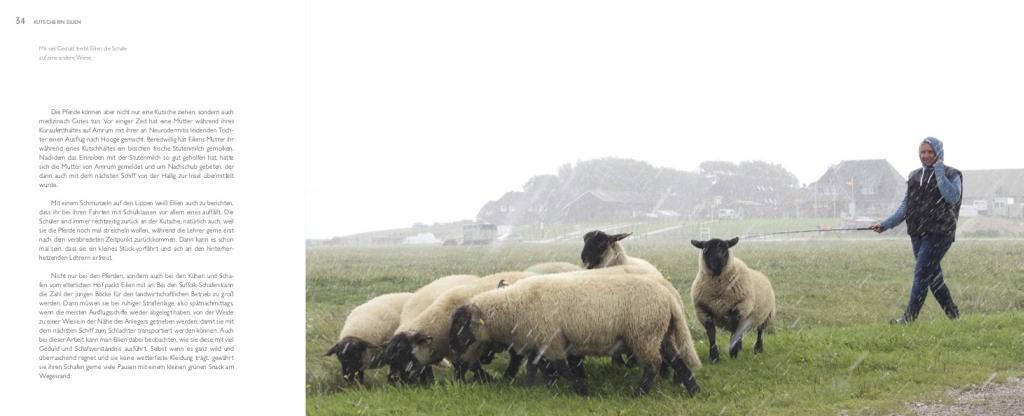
point(351, 346)
point(391, 347)
point(733, 241)
point(502, 283)
point(618, 237)
point(460, 336)
point(335, 349)
point(461, 317)
point(698, 244)
point(590, 235)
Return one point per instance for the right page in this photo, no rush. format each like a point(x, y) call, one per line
point(456, 138)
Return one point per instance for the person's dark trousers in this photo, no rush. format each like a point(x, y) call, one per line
point(928, 252)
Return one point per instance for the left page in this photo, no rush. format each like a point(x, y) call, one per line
point(153, 216)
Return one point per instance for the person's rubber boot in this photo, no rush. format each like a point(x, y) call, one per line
point(900, 321)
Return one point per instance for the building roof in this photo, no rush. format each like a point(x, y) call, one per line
point(870, 171)
point(988, 183)
point(625, 198)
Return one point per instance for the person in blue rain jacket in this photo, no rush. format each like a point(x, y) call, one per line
point(931, 208)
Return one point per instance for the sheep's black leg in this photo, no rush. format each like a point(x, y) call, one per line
point(487, 356)
point(481, 374)
point(579, 385)
point(684, 376)
point(645, 382)
point(549, 372)
point(617, 360)
point(427, 376)
point(670, 356)
point(535, 362)
point(663, 372)
point(739, 326)
point(459, 367)
point(733, 320)
point(531, 369)
point(735, 346)
point(514, 361)
point(362, 377)
point(709, 327)
point(530, 373)
point(736, 343)
point(759, 345)
point(576, 365)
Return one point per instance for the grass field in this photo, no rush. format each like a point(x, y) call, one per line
point(831, 349)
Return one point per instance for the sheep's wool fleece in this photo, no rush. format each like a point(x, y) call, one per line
point(553, 267)
point(616, 257)
point(423, 297)
point(591, 310)
point(436, 320)
point(375, 320)
point(739, 286)
point(439, 313)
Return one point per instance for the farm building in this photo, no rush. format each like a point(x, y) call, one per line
point(857, 188)
point(503, 210)
point(994, 192)
point(514, 208)
point(605, 205)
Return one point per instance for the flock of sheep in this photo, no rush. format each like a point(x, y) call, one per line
point(552, 315)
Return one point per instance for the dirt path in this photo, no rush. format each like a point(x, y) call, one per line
point(987, 400)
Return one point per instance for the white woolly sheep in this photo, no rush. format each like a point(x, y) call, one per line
point(601, 250)
point(730, 295)
point(423, 341)
point(424, 296)
point(367, 328)
point(591, 312)
point(420, 300)
point(552, 267)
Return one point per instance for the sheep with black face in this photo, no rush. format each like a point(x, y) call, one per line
point(398, 351)
point(426, 336)
point(601, 250)
point(367, 328)
point(729, 295)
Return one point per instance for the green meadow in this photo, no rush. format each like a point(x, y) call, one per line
point(831, 349)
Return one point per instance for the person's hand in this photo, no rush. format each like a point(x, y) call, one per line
point(938, 164)
point(876, 227)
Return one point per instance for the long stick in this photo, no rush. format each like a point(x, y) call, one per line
point(809, 231)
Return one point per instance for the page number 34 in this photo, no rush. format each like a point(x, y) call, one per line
point(19, 20)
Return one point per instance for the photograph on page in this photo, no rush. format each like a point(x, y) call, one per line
point(663, 208)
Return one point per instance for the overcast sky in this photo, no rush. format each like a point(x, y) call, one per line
point(422, 111)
